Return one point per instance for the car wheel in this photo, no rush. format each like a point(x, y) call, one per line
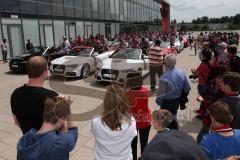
point(85, 72)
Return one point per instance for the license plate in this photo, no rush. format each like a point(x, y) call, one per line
point(109, 75)
point(14, 65)
point(58, 70)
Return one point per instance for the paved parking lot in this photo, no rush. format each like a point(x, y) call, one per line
point(87, 95)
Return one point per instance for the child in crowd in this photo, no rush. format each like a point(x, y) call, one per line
point(230, 85)
point(138, 101)
point(223, 141)
point(56, 137)
point(161, 119)
point(234, 59)
point(212, 95)
point(170, 144)
point(116, 128)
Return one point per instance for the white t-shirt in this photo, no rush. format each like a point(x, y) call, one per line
point(223, 57)
point(113, 145)
point(4, 46)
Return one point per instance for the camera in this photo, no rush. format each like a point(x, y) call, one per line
point(193, 77)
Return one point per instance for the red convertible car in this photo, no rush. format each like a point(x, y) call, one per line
point(165, 46)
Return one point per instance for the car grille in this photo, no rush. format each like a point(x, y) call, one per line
point(109, 74)
point(59, 69)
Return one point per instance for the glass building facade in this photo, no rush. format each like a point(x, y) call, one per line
point(45, 22)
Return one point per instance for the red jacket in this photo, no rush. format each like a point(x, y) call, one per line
point(138, 100)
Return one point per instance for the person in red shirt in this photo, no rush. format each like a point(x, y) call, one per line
point(202, 72)
point(138, 101)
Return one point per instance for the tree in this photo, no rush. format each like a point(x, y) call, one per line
point(205, 27)
point(194, 21)
point(205, 20)
point(174, 21)
point(236, 19)
point(183, 28)
point(195, 27)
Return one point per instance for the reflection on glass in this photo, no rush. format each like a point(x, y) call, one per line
point(127, 54)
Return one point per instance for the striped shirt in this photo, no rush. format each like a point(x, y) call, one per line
point(156, 55)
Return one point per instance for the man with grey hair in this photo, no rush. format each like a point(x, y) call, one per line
point(222, 57)
point(173, 84)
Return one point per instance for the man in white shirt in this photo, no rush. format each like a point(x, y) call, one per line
point(65, 45)
point(223, 57)
point(4, 48)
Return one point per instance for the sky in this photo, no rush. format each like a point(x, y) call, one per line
point(188, 10)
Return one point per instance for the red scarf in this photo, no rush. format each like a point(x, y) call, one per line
point(224, 128)
point(232, 94)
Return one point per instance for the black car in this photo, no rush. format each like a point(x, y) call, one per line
point(18, 63)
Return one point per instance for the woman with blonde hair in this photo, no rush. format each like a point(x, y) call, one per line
point(115, 129)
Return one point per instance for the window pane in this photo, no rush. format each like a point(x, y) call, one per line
point(113, 30)
point(95, 9)
point(112, 9)
point(107, 10)
point(102, 28)
point(30, 31)
point(101, 9)
point(95, 28)
point(28, 6)
point(9, 5)
point(57, 7)
point(125, 10)
point(58, 32)
point(117, 28)
point(117, 9)
point(44, 7)
point(69, 8)
point(78, 8)
point(121, 9)
point(80, 28)
point(87, 9)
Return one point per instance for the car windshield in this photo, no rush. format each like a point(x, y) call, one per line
point(82, 52)
point(127, 54)
point(37, 50)
point(165, 45)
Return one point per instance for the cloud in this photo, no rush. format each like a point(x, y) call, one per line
point(189, 9)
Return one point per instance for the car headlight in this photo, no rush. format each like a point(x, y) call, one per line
point(72, 66)
point(127, 70)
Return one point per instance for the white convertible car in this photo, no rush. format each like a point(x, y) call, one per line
point(120, 64)
point(79, 63)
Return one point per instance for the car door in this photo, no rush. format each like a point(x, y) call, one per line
point(92, 60)
point(144, 62)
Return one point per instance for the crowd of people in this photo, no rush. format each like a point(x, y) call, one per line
point(49, 131)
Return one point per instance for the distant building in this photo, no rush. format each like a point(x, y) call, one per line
point(45, 22)
point(210, 26)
